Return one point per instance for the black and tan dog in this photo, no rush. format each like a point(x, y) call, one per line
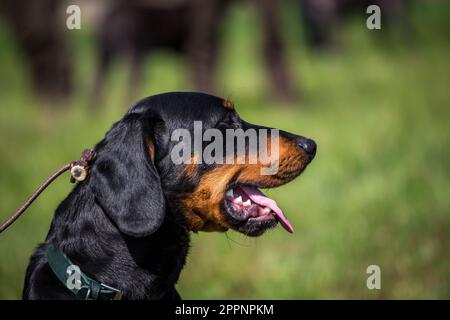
point(127, 225)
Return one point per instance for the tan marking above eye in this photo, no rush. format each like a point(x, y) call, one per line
point(228, 104)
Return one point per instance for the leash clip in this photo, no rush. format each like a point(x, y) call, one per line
point(79, 169)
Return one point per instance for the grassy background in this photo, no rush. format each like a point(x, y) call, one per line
point(377, 192)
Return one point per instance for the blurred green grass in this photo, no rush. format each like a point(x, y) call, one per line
point(377, 192)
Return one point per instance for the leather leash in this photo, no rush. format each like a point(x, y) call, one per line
point(78, 169)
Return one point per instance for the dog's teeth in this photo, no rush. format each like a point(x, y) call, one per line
point(229, 193)
point(247, 203)
point(238, 200)
point(267, 210)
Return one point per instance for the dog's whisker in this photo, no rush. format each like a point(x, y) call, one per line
point(236, 242)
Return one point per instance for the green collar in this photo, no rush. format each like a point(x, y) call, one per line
point(83, 287)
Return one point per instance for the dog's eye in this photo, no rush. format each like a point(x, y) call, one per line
point(225, 125)
point(228, 123)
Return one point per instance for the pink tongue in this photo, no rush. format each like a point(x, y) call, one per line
point(258, 197)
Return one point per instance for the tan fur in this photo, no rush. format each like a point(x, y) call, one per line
point(203, 208)
point(228, 104)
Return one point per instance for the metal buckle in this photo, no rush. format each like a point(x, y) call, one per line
point(118, 294)
point(88, 294)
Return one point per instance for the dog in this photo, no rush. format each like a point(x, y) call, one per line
point(127, 225)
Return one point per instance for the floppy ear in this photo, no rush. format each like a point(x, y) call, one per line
point(124, 178)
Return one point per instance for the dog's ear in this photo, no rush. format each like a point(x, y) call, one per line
point(124, 178)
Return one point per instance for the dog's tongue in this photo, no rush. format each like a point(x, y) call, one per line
point(258, 197)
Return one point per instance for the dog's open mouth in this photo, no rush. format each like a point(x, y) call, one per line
point(247, 203)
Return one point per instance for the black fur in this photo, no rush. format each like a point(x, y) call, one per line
point(116, 224)
point(122, 226)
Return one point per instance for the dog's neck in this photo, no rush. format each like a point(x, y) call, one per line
point(142, 268)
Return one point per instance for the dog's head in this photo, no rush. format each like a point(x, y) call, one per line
point(191, 155)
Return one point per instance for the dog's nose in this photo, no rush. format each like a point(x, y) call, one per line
point(309, 146)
